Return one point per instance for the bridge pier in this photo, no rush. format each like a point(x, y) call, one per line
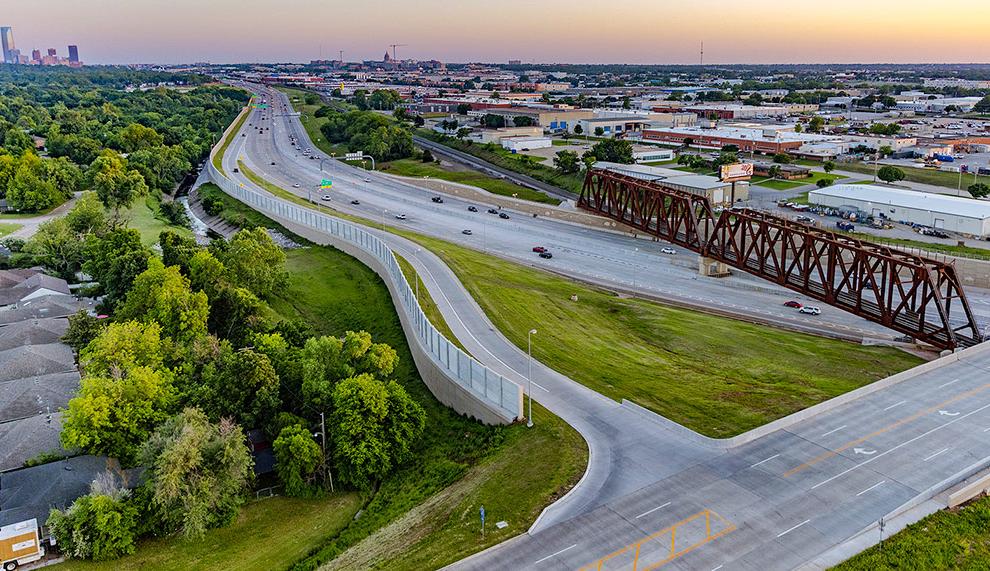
point(711, 268)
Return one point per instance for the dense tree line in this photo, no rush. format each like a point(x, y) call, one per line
point(375, 134)
point(56, 125)
point(189, 359)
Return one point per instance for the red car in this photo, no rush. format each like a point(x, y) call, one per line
point(794, 304)
point(539, 249)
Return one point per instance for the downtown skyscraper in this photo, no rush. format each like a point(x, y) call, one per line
point(10, 53)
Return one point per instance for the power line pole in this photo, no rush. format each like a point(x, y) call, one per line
point(326, 466)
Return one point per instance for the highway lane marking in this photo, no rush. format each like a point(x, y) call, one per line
point(646, 513)
point(762, 461)
point(949, 383)
point(940, 452)
point(783, 533)
point(717, 568)
point(896, 404)
point(882, 454)
point(555, 554)
point(833, 430)
point(874, 486)
point(908, 419)
point(539, 386)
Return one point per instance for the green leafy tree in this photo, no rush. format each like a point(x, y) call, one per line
point(83, 329)
point(427, 156)
point(116, 185)
point(578, 129)
point(241, 385)
point(57, 247)
point(782, 158)
point(162, 295)
point(100, 526)
point(327, 360)
point(114, 414)
point(567, 162)
point(87, 215)
point(16, 141)
point(823, 182)
point(297, 457)
point(137, 137)
point(979, 190)
point(828, 166)
point(613, 151)
point(523, 121)
point(254, 261)
point(30, 189)
point(815, 124)
point(599, 131)
point(114, 260)
point(375, 425)
point(197, 472)
point(493, 121)
point(463, 108)
point(890, 174)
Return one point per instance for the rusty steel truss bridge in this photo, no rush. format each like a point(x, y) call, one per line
point(913, 295)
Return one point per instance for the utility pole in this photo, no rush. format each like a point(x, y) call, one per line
point(323, 434)
point(529, 342)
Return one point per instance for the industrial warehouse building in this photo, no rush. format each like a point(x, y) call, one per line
point(717, 191)
point(950, 213)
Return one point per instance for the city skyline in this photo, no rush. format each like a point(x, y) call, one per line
point(553, 31)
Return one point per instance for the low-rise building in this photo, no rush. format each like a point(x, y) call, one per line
point(769, 141)
point(782, 171)
point(516, 144)
point(724, 110)
point(949, 213)
point(652, 155)
point(717, 191)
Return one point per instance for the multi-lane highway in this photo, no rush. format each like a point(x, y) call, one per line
point(655, 493)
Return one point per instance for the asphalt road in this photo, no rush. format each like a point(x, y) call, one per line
point(659, 494)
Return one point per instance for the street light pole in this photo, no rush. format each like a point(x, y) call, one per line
point(529, 342)
point(323, 434)
point(384, 210)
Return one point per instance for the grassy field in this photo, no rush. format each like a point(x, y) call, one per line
point(792, 184)
point(949, 539)
point(268, 534)
point(925, 176)
point(426, 302)
point(218, 157)
point(416, 168)
point(335, 293)
point(7, 228)
point(144, 217)
point(951, 249)
point(717, 376)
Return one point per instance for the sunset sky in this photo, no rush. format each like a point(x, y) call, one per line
point(619, 31)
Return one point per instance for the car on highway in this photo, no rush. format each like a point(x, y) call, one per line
point(273, 163)
point(466, 232)
point(794, 304)
point(366, 179)
point(325, 197)
point(539, 249)
point(295, 185)
point(437, 199)
point(472, 208)
point(667, 250)
point(546, 255)
point(355, 201)
point(810, 310)
point(244, 134)
point(493, 211)
point(503, 215)
point(237, 169)
point(400, 216)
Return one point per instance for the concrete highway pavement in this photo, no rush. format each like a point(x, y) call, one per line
point(772, 503)
point(608, 259)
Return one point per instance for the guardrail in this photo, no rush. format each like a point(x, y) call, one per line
point(500, 395)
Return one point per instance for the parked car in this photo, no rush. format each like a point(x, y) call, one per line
point(437, 199)
point(355, 201)
point(810, 310)
point(803, 218)
point(503, 215)
point(843, 225)
point(794, 304)
point(400, 216)
point(472, 208)
point(539, 249)
point(667, 250)
point(466, 232)
point(546, 255)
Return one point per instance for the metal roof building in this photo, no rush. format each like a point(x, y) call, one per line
point(950, 213)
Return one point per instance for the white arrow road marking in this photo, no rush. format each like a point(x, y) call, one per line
point(947, 413)
point(864, 451)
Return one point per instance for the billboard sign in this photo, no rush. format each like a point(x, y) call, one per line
point(735, 172)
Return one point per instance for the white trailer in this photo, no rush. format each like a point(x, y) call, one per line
point(20, 544)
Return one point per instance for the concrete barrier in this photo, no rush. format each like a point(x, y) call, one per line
point(454, 377)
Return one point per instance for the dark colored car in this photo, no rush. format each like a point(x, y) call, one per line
point(472, 208)
point(273, 163)
point(493, 211)
point(546, 255)
point(503, 215)
point(355, 201)
point(437, 199)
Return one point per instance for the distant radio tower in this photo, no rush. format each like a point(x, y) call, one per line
point(702, 53)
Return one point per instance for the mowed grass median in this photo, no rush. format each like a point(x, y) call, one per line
point(419, 169)
point(717, 376)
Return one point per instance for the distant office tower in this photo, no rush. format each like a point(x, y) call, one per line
point(73, 54)
point(52, 52)
point(36, 55)
point(7, 43)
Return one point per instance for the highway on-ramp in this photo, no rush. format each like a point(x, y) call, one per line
point(655, 493)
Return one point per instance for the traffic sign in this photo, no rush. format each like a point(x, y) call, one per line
point(326, 183)
point(353, 156)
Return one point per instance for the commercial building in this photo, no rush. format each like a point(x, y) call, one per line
point(717, 192)
point(496, 135)
point(786, 172)
point(73, 54)
point(768, 141)
point(653, 155)
point(724, 110)
point(7, 43)
point(516, 144)
point(949, 213)
point(876, 142)
point(549, 118)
